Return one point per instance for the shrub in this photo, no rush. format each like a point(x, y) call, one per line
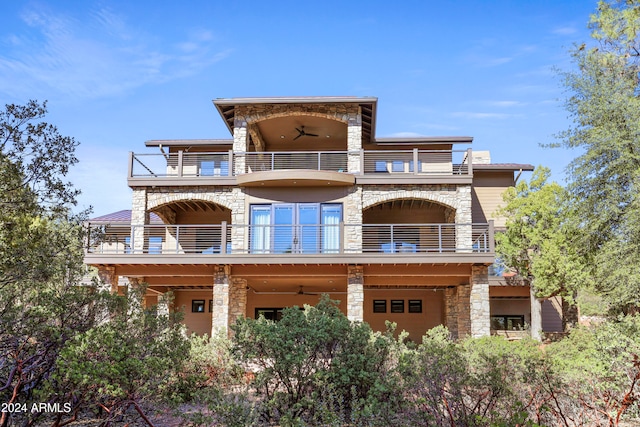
point(314, 366)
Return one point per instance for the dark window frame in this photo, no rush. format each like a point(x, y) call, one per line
point(397, 306)
point(414, 306)
point(195, 303)
point(379, 305)
point(506, 319)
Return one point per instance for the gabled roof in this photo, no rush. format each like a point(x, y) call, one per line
point(123, 216)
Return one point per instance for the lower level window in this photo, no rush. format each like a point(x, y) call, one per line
point(197, 306)
point(507, 322)
point(269, 313)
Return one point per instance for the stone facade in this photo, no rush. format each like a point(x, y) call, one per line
point(451, 310)
point(355, 293)
point(237, 299)
point(479, 309)
point(220, 309)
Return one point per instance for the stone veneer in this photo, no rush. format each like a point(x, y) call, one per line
point(355, 293)
point(237, 299)
point(220, 310)
point(479, 307)
point(451, 310)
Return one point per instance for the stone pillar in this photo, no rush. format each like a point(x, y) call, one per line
point(463, 310)
point(220, 310)
point(353, 215)
point(451, 310)
point(464, 231)
point(139, 218)
point(354, 142)
point(134, 294)
point(237, 299)
point(163, 304)
point(239, 235)
point(536, 315)
point(108, 279)
point(240, 144)
point(479, 307)
point(355, 293)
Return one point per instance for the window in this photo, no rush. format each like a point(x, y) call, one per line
point(415, 306)
point(397, 306)
point(269, 313)
point(397, 166)
point(210, 306)
point(197, 306)
point(507, 322)
point(296, 228)
point(212, 167)
point(379, 306)
point(380, 166)
point(155, 245)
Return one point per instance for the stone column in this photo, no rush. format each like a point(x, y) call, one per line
point(464, 231)
point(480, 312)
point(220, 311)
point(463, 310)
point(536, 315)
point(237, 299)
point(353, 216)
point(354, 142)
point(451, 310)
point(108, 279)
point(134, 294)
point(240, 144)
point(139, 218)
point(355, 293)
point(163, 304)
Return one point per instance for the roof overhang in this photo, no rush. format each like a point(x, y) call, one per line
point(503, 167)
point(187, 142)
point(425, 140)
point(226, 107)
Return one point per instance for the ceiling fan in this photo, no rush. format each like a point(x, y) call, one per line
point(301, 132)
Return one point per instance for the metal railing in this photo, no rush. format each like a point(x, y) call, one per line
point(290, 239)
point(438, 162)
point(222, 164)
point(181, 164)
point(310, 160)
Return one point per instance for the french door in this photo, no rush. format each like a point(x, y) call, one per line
point(295, 228)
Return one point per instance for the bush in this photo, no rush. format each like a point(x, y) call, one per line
point(315, 367)
point(123, 366)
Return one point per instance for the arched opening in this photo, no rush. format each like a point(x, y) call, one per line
point(193, 226)
point(409, 225)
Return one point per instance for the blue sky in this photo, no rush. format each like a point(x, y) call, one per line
point(118, 73)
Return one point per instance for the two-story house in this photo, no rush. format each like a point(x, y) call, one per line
point(304, 200)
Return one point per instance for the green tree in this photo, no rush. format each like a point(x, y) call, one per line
point(604, 181)
point(41, 256)
point(124, 367)
point(538, 243)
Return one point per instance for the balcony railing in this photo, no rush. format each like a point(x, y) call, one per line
point(363, 162)
point(290, 239)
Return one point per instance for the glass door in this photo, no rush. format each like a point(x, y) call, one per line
point(308, 228)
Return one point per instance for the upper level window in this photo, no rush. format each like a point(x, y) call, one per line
point(296, 228)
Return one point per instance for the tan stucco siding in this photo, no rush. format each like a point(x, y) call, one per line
point(199, 323)
point(416, 324)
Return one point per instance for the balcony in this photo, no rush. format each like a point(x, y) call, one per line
point(321, 243)
point(302, 168)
